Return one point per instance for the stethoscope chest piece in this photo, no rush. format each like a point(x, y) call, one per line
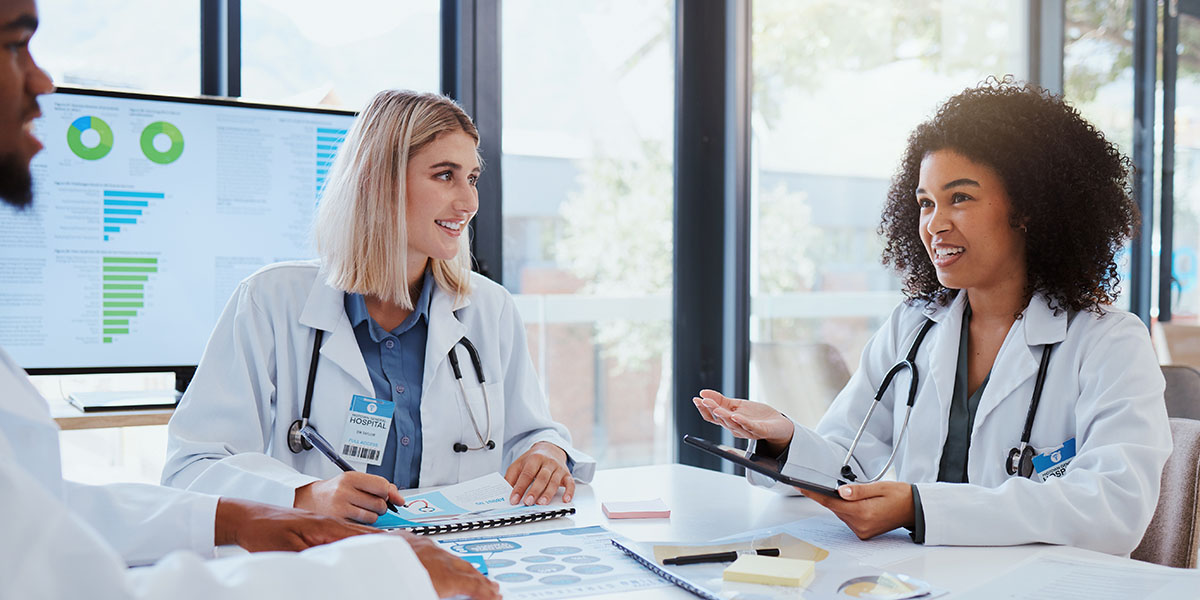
point(1020, 461)
point(296, 442)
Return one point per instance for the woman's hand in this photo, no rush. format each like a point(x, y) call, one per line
point(746, 419)
point(538, 474)
point(262, 527)
point(352, 495)
point(871, 508)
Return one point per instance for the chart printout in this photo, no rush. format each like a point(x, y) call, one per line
point(146, 215)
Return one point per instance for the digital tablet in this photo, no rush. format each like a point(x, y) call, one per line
point(801, 477)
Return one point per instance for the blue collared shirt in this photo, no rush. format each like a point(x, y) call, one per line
point(396, 362)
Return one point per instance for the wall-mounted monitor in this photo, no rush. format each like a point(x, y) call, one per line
point(148, 210)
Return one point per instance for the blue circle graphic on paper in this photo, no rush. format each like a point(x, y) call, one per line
point(580, 559)
point(537, 559)
point(513, 577)
point(561, 550)
point(559, 580)
point(549, 568)
point(592, 569)
point(500, 563)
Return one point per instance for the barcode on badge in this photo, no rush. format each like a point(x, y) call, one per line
point(352, 451)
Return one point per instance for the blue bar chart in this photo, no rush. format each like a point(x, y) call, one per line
point(123, 208)
point(329, 141)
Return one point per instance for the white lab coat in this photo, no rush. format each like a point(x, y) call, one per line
point(60, 539)
point(229, 433)
point(1103, 387)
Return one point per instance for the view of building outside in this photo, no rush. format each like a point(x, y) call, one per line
point(588, 101)
point(1098, 80)
point(833, 107)
point(1185, 304)
point(133, 44)
point(303, 52)
point(588, 105)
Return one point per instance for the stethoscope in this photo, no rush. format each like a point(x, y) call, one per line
point(1019, 459)
point(297, 443)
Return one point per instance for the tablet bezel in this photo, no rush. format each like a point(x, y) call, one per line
point(773, 473)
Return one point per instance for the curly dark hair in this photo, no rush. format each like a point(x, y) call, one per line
point(1069, 187)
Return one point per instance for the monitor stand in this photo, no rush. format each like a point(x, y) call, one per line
point(126, 400)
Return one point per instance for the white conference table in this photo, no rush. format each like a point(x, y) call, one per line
point(707, 505)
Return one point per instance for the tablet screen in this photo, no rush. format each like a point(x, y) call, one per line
point(801, 477)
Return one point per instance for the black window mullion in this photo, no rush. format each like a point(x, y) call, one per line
point(711, 227)
point(221, 48)
point(471, 75)
point(1145, 75)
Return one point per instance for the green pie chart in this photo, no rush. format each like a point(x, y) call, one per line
point(75, 138)
point(172, 132)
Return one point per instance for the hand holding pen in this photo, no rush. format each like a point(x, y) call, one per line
point(352, 495)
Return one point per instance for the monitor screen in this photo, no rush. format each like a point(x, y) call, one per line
point(147, 212)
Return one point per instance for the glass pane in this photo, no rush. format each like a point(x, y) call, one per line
point(303, 52)
point(1098, 80)
point(135, 44)
point(824, 154)
point(1185, 307)
point(588, 213)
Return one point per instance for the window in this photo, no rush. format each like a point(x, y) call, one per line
point(824, 153)
point(136, 44)
point(1098, 80)
point(302, 52)
point(588, 97)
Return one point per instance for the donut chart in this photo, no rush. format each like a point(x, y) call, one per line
point(169, 155)
point(75, 138)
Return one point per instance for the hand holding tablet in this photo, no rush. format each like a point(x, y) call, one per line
point(803, 478)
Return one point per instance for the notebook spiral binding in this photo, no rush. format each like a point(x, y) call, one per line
point(486, 523)
point(665, 574)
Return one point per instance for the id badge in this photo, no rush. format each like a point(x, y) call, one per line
point(1053, 462)
point(367, 427)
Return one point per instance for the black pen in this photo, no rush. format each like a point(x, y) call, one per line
point(319, 443)
point(729, 556)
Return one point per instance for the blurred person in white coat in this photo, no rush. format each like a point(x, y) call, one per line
point(64, 539)
point(389, 328)
point(1003, 222)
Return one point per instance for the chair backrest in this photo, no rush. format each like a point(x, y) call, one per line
point(1173, 537)
point(799, 378)
point(1183, 391)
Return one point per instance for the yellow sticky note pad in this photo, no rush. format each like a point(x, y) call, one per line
point(771, 570)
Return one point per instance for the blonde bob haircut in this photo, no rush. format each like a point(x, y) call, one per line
point(360, 230)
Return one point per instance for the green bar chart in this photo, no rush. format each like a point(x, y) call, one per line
point(124, 280)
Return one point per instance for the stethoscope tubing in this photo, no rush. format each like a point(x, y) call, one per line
point(909, 363)
point(297, 443)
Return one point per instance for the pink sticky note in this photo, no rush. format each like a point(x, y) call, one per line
point(639, 509)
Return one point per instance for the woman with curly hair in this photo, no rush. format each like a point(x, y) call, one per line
point(1038, 412)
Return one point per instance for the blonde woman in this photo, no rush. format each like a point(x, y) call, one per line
point(414, 368)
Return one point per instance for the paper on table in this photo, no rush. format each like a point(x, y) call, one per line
point(1070, 578)
point(830, 533)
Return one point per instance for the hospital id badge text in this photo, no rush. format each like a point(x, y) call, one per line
point(367, 427)
point(1053, 462)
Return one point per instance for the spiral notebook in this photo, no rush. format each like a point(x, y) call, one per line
point(478, 503)
point(647, 561)
point(470, 522)
point(838, 573)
